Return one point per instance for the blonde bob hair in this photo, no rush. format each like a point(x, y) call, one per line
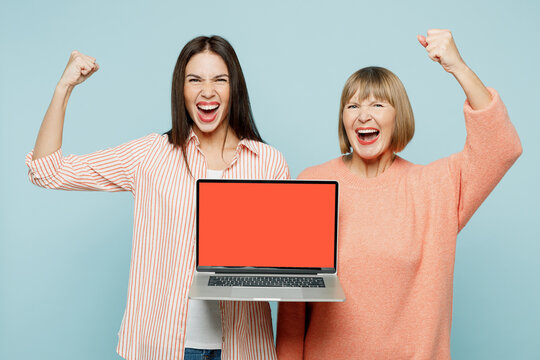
point(384, 85)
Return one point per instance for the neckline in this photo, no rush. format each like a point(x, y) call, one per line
point(387, 177)
point(214, 174)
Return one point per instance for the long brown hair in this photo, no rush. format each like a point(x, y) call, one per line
point(240, 117)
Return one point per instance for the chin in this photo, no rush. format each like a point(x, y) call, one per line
point(367, 156)
point(209, 128)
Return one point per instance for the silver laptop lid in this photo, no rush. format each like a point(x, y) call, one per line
point(267, 226)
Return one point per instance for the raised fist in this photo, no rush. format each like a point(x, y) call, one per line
point(79, 68)
point(441, 48)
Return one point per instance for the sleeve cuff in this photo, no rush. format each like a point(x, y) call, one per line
point(492, 115)
point(44, 167)
point(495, 103)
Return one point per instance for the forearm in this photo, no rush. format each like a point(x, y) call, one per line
point(441, 48)
point(49, 138)
point(476, 92)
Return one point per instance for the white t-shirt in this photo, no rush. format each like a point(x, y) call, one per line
point(203, 325)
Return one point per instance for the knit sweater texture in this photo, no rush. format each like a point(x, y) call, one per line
point(396, 250)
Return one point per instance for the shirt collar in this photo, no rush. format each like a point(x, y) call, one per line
point(251, 145)
point(193, 137)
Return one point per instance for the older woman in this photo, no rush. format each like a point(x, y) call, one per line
point(399, 221)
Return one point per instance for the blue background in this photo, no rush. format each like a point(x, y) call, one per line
point(64, 256)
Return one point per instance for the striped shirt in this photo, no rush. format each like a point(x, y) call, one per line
point(163, 254)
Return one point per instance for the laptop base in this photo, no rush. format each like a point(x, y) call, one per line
point(332, 292)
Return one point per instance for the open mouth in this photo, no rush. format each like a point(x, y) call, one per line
point(207, 111)
point(367, 136)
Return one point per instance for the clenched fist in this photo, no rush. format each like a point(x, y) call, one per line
point(441, 48)
point(79, 68)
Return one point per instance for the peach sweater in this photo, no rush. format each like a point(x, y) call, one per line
point(397, 241)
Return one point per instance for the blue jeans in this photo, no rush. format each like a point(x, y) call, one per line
point(201, 354)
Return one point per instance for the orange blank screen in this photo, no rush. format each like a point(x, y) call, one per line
point(266, 224)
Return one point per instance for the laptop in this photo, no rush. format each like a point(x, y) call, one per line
point(266, 240)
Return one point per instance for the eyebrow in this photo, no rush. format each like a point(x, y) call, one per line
point(215, 77)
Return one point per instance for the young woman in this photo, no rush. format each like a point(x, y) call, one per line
point(399, 221)
point(213, 135)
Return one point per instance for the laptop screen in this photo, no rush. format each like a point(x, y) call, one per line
point(267, 224)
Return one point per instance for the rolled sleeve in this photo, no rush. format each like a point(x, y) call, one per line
point(44, 168)
point(105, 170)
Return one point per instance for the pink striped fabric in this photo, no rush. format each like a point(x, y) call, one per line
point(163, 254)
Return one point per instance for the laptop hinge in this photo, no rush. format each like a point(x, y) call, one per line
point(268, 271)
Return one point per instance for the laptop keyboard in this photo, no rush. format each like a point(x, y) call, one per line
point(267, 281)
